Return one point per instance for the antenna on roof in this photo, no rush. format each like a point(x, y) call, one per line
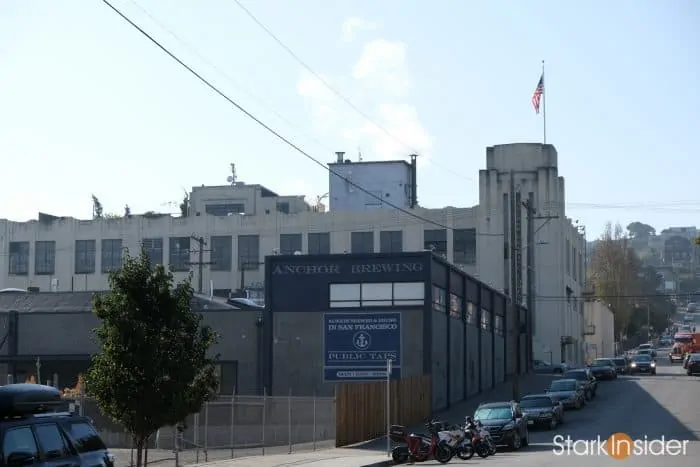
point(232, 178)
point(359, 154)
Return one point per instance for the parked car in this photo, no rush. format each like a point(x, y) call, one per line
point(546, 368)
point(603, 369)
point(647, 347)
point(506, 423)
point(586, 381)
point(542, 410)
point(622, 365)
point(693, 366)
point(686, 359)
point(643, 364)
point(568, 392)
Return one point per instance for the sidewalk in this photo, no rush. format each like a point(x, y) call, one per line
point(336, 457)
point(529, 384)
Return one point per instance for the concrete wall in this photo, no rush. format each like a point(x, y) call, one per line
point(132, 231)
point(71, 333)
point(389, 180)
point(457, 341)
point(560, 249)
point(600, 319)
point(297, 351)
point(440, 368)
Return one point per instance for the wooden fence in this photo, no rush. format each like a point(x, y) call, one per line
point(361, 407)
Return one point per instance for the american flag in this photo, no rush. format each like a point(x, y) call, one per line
point(537, 95)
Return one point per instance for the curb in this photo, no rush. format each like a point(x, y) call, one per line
point(378, 464)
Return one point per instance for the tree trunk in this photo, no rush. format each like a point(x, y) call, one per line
point(145, 452)
point(139, 451)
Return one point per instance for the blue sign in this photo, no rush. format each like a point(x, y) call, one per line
point(358, 345)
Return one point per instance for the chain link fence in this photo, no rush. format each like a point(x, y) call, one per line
point(233, 426)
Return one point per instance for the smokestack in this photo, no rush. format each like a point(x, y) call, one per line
point(414, 183)
point(339, 156)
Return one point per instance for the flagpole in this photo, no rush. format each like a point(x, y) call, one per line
point(544, 106)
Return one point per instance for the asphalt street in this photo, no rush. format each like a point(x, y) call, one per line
point(665, 407)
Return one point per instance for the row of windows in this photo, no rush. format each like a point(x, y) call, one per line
point(440, 305)
point(574, 263)
point(377, 294)
point(221, 250)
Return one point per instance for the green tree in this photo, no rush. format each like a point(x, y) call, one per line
point(640, 230)
point(154, 368)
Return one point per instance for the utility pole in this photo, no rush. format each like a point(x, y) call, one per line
point(532, 216)
point(512, 289)
point(201, 263)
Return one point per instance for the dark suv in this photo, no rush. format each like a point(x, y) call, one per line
point(34, 433)
point(506, 423)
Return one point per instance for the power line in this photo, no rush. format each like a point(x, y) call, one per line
point(270, 129)
point(332, 89)
point(193, 50)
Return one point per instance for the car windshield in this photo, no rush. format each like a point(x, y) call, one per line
point(642, 358)
point(562, 386)
point(683, 339)
point(695, 357)
point(645, 346)
point(620, 362)
point(531, 402)
point(579, 375)
point(493, 413)
point(602, 362)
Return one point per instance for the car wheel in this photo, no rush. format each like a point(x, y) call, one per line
point(689, 373)
point(517, 442)
point(526, 438)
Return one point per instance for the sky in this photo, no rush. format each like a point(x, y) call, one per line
point(89, 106)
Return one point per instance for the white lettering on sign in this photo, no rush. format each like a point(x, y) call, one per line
point(328, 269)
point(362, 356)
point(370, 324)
point(306, 269)
point(386, 267)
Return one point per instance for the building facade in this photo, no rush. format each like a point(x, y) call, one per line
point(599, 330)
point(230, 230)
point(425, 315)
point(518, 176)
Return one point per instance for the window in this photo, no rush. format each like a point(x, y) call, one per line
point(45, 258)
point(391, 241)
point(223, 210)
point(455, 306)
point(574, 266)
point(470, 315)
point(568, 257)
point(179, 253)
point(320, 243)
point(248, 252)
point(85, 256)
point(221, 253)
point(111, 254)
point(154, 250)
point(439, 299)
point(19, 258)
point(436, 241)
point(283, 207)
point(464, 246)
point(19, 440)
point(377, 294)
point(375, 199)
point(498, 325)
point(85, 438)
point(485, 320)
point(362, 242)
point(53, 445)
point(290, 243)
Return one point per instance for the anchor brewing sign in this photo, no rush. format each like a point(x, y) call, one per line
point(357, 346)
